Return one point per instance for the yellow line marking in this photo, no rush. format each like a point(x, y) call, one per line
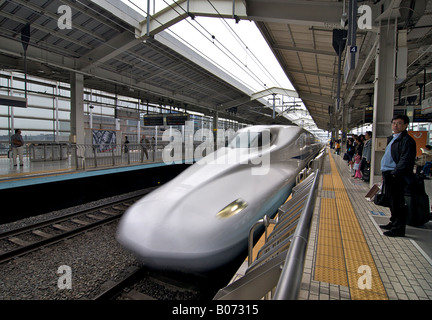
point(33, 174)
point(343, 256)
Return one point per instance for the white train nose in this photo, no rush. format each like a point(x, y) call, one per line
point(201, 219)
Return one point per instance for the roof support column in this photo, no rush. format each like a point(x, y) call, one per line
point(215, 128)
point(77, 107)
point(345, 121)
point(383, 93)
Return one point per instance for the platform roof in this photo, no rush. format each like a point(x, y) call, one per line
point(117, 51)
point(105, 45)
point(300, 34)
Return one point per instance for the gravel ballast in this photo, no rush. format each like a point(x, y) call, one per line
point(93, 258)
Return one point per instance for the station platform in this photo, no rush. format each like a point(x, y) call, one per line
point(40, 187)
point(349, 258)
point(50, 171)
point(29, 169)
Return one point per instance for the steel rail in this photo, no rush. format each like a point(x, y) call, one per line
point(24, 249)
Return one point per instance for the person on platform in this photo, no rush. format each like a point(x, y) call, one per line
point(357, 162)
point(426, 159)
point(145, 144)
point(397, 167)
point(17, 143)
point(366, 155)
point(126, 145)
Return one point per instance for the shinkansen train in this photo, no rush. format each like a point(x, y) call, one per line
point(200, 220)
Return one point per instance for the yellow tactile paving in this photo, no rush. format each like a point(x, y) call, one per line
point(327, 182)
point(343, 256)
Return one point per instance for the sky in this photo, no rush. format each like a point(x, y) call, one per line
point(237, 48)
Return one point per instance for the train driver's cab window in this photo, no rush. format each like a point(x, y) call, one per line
point(301, 141)
point(250, 139)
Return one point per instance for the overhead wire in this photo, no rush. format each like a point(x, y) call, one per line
point(233, 57)
point(242, 43)
point(214, 39)
point(134, 55)
point(188, 43)
point(254, 57)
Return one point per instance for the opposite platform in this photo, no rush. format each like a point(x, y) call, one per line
point(348, 257)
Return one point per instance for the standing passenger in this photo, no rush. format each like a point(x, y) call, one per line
point(366, 154)
point(338, 147)
point(397, 167)
point(17, 147)
point(427, 157)
point(144, 144)
point(126, 143)
point(357, 161)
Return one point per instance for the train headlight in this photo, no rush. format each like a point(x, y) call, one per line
point(232, 209)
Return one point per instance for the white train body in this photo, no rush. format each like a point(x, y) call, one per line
point(200, 220)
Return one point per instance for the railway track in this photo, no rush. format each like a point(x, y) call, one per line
point(21, 241)
point(138, 283)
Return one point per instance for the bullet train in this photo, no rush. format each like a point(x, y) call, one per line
point(200, 220)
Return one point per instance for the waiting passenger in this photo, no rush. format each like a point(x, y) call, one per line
point(397, 166)
point(424, 162)
point(366, 156)
point(337, 147)
point(145, 144)
point(126, 147)
point(17, 143)
point(357, 161)
point(349, 154)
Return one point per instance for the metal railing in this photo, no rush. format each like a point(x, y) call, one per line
point(87, 156)
point(48, 151)
point(289, 282)
point(92, 156)
point(279, 264)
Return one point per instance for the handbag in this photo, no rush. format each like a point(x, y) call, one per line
point(365, 169)
point(418, 209)
point(381, 199)
point(366, 174)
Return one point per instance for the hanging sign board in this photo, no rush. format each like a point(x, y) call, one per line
point(169, 119)
point(13, 101)
point(426, 106)
point(154, 120)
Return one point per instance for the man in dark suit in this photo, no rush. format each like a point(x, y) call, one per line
point(397, 167)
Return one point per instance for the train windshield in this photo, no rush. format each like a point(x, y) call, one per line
point(250, 139)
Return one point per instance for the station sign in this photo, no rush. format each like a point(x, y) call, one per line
point(417, 115)
point(169, 119)
point(13, 101)
point(426, 106)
